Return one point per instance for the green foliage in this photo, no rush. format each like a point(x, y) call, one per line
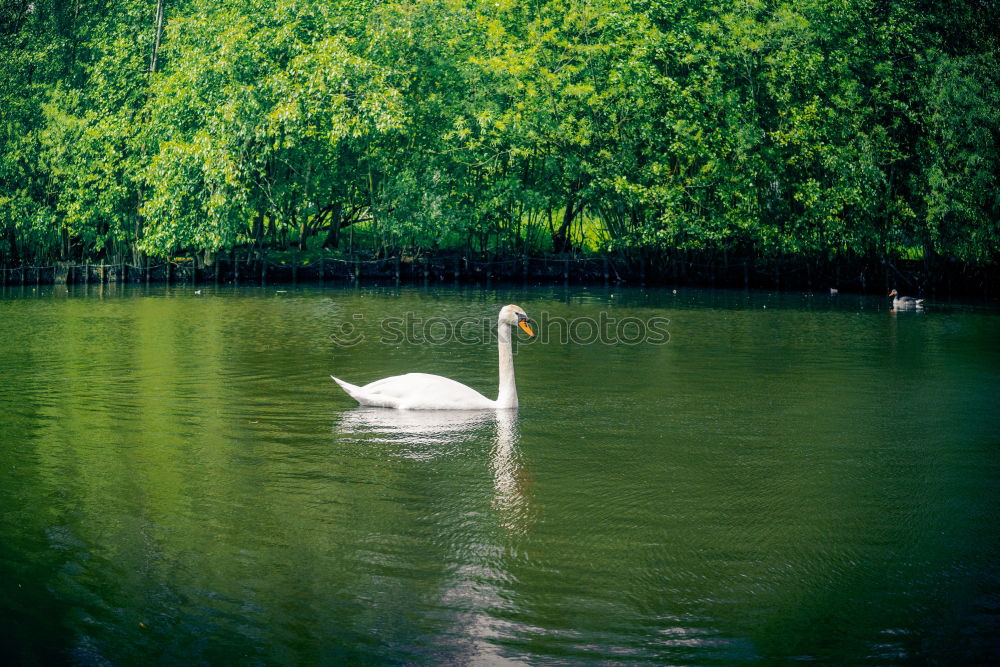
point(815, 128)
point(962, 147)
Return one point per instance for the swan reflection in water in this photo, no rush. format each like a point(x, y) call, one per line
point(427, 434)
point(509, 500)
point(477, 584)
point(428, 427)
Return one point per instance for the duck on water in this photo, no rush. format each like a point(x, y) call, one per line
point(904, 302)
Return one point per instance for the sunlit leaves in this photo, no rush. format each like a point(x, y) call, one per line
point(813, 127)
point(254, 117)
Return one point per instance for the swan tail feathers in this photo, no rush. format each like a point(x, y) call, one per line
point(351, 389)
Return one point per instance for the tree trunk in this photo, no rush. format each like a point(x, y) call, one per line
point(258, 233)
point(157, 35)
point(561, 241)
point(333, 233)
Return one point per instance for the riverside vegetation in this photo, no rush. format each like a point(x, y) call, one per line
point(849, 141)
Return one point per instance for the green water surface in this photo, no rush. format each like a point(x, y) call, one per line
point(778, 477)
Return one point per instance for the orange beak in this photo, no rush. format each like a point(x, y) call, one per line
point(527, 329)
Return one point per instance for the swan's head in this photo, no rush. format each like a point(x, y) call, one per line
point(515, 316)
point(892, 293)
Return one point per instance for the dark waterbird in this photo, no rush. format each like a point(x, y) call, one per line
point(905, 301)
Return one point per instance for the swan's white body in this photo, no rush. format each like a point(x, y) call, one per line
point(421, 391)
point(418, 391)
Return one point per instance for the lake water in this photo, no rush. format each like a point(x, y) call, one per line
point(700, 477)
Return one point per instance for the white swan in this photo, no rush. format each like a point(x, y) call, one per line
point(420, 391)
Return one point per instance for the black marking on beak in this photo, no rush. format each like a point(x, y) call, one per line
point(522, 321)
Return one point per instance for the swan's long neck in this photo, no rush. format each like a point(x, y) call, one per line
point(507, 397)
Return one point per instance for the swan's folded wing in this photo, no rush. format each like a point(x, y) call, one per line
point(422, 391)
